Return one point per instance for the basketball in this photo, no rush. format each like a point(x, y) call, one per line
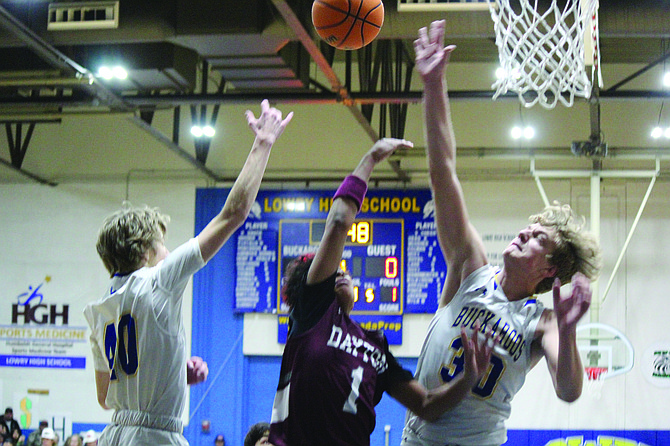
point(348, 24)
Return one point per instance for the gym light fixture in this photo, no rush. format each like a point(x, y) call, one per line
point(206, 131)
point(109, 73)
point(527, 132)
point(656, 132)
point(120, 72)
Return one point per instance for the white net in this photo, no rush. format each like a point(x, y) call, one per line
point(595, 380)
point(542, 52)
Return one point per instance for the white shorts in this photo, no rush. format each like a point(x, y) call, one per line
point(410, 438)
point(116, 435)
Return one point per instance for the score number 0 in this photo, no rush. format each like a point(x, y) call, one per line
point(360, 234)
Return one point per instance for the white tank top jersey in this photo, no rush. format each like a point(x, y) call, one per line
point(137, 335)
point(480, 418)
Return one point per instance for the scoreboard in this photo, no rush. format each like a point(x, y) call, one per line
point(373, 254)
point(391, 251)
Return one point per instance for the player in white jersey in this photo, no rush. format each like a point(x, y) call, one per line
point(552, 250)
point(137, 331)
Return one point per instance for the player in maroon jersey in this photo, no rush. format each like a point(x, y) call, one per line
point(333, 371)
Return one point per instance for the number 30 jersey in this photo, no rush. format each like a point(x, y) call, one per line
point(138, 337)
point(479, 419)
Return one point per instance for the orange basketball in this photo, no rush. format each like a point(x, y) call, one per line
point(348, 24)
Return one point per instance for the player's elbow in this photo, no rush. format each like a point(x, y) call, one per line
point(570, 395)
point(101, 401)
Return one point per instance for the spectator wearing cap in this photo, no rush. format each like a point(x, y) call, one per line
point(8, 424)
point(219, 440)
point(90, 438)
point(35, 437)
point(258, 435)
point(49, 437)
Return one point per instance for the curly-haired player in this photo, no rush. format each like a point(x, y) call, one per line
point(552, 250)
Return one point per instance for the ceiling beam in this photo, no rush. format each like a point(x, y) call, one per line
point(27, 174)
point(59, 60)
point(175, 148)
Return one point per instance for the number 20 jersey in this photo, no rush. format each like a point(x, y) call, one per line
point(479, 419)
point(137, 334)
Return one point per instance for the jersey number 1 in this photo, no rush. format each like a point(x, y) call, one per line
point(121, 346)
point(356, 379)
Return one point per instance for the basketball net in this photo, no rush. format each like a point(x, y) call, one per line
point(543, 53)
point(595, 379)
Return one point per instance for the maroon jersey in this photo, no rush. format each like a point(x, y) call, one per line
point(333, 373)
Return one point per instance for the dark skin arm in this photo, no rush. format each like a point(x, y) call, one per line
point(430, 404)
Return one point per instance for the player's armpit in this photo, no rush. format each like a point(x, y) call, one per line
point(101, 385)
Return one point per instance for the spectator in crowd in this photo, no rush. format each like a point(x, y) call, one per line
point(258, 435)
point(8, 424)
point(74, 440)
point(17, 437)
point(35, 437)
point(49, 437)
point(90, 438)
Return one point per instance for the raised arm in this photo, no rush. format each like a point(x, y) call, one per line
point(461, 245)
point(430, 404)
point(558, 329)
point(346, 204)
point(267, 128)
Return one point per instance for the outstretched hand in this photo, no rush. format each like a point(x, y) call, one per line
point(385, 147)
point(269, 124)
point(196, 370)
point(570, 306)
point(431, 56)
point(477, 353)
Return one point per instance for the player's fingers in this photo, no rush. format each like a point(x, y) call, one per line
point(287, 119)
point(405, 143)
point(251, 119)
point(436, 32)
point(265, 106)
point(423, 36)
point(465, 340)
point(556, 288)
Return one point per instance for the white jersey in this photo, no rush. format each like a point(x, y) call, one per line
point(137, 335)
point(480, 418)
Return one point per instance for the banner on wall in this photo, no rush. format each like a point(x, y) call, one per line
point(35, 330)
point(656, 364)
